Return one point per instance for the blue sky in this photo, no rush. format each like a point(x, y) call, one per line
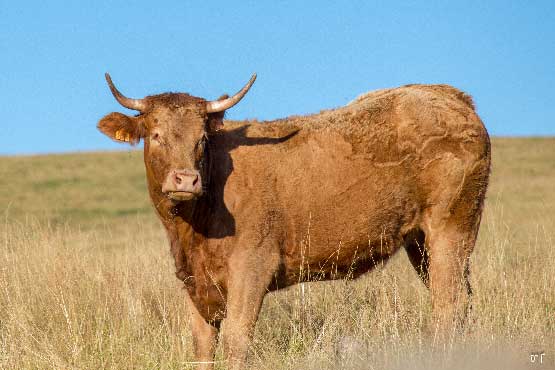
point(309, 56)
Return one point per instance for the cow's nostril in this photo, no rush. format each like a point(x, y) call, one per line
point(178, 180)
point(195, 180)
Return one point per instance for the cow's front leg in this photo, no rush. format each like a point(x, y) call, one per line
point(251, 272)
point(205, 337)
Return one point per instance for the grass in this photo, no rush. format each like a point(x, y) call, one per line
point(86, 280)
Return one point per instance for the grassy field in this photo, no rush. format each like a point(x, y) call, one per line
point(86, 280)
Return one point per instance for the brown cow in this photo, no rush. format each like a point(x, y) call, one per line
point(250, 207)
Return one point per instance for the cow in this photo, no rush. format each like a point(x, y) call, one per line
point(252, 207)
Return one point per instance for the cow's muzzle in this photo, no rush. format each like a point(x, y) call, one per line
point(182, 185)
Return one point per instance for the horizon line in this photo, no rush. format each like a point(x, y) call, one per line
point(138, 147)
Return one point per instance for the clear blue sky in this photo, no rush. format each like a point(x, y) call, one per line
point(309, 55)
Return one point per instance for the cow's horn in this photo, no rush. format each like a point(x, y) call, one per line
point(221, 105)
point(135, 104)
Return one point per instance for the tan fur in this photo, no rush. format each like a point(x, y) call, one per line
point(323, 196)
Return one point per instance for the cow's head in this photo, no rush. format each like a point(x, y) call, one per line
point(175, 128)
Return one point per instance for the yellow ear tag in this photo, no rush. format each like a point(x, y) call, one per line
point(121, 135)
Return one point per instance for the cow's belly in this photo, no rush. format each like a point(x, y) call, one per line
point(328, 247)
point(345, 231)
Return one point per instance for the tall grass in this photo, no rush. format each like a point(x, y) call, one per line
point(82, 292)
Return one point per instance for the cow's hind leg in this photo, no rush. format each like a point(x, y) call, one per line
point(449, 244)
point(451, 226)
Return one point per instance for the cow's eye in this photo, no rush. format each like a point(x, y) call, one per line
point(155, 136)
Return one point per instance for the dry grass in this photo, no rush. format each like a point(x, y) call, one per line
point(86, 280)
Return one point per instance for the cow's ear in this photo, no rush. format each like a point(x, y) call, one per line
point(122, 128)
point(216, 120)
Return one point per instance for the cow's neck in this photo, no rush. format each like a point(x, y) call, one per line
point(194, 214)
point(187, 215)
point(185, 224)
